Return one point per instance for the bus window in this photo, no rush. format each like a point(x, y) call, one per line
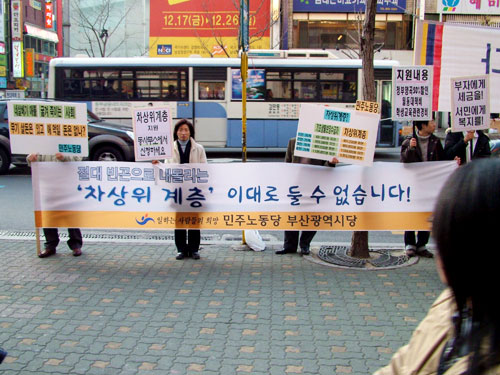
point(305, 85)
point(211, 90)
point(280, 84)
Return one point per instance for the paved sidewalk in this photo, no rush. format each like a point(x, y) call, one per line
point(128, 308)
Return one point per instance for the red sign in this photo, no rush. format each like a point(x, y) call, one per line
point(49, 8)
point(206, 18)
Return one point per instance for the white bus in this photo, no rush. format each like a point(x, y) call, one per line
point(208, 92)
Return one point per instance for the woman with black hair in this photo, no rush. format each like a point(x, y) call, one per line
point(185, 151)
point(461, 332)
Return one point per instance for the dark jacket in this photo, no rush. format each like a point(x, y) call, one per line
point(435, 151)
point(454, 145)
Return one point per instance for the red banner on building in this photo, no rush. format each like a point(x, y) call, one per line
point(210, 24)
point(49, 9)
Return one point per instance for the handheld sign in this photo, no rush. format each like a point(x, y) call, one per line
point(47, 128)
point(412, 93)
point(325, 132)
point(153, 133)
point(470, 103)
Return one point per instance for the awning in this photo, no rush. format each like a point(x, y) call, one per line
point(41, 33)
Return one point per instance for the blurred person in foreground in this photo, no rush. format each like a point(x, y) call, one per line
point(186, 151)
point(461, 332)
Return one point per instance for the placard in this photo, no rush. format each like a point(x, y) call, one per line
point(325, 132)
point(47, 128)
point(470, 103)
point(412, 93)
point(152, 133)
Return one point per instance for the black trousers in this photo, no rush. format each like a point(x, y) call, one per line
point(193, 240)
point(52, 238)
point(422, 238)
point(292, 239)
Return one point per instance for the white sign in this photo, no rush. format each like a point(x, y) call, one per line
point(325, 132)
point(469, 6)
point(48, 128)
point(15, 94)
point(16, 21)
point(153, 134)
point(267, 196)
point(412, 93)
point(17, 60)
point(470, 103)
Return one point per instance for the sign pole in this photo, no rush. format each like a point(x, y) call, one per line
point(244, 46)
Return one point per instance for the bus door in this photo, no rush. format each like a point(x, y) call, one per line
point(210, 106)
point(388, 131)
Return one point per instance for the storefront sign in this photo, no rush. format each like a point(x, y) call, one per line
point(205, 28)
point(16, 23)
point(469, 6)
point(49, 7)
point(29, 54)
point(17, 59)
point(236, 196)
point(348, 6)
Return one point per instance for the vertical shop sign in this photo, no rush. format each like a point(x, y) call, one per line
point(49, 8)
point(17, 59)
point(29, 54)
point(16, 25)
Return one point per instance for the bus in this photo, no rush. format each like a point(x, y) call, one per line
point(207, 91)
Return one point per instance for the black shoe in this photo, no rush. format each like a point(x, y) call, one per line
point(180, 256)
point(45, 253)
point(3, 354)
point(283, 251)
point(196, 255)
point(305, 251)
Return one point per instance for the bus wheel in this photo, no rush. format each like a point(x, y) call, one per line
point(108, 153)
point(4, 161)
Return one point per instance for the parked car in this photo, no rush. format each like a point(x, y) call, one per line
point(108, 141)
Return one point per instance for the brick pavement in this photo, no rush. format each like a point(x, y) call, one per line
point(133, 309)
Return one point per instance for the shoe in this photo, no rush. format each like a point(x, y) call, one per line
point(196, 255)
point(3, 354)
point(283, 251)
point(423, 252)
point(180, 256)
point(305, 251)
point(47, 253)
point(410, 253)
point(77, 252)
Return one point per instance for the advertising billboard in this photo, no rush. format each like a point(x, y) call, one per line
point(181, 28)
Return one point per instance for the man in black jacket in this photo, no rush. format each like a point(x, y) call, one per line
point(457, 145)
point(422, 146)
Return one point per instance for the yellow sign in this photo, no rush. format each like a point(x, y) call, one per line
point(365, 106)
point(3, 71)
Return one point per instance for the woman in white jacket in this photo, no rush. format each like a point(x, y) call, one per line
point(185, 151)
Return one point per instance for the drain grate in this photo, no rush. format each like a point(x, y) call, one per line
point(338, 255)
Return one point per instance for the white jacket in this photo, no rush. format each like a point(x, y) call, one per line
point(196, 155)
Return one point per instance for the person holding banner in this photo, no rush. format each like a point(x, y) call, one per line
point(422, 146)
point(292, 241)
point(461, 331)
point(52, 234)
point(186, 150)
point(457, 145)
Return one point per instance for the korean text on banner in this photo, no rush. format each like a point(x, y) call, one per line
point(236, 196)
point(153, 133)
point(47, 128)
point(412, 93)
point(325, 132)
point(470, 103)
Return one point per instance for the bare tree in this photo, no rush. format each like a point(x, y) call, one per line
point(359, 240)
point(98, 23)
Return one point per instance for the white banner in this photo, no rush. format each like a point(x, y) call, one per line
point(153, 134)
point(470, 103)
point(325, 132)
point(491, 7)
point(267, 196)
point(48, 128)
point(412, 93)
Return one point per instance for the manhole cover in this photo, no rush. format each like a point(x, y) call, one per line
point(338, 255)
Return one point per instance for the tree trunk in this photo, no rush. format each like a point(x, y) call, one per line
point(359, 240)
